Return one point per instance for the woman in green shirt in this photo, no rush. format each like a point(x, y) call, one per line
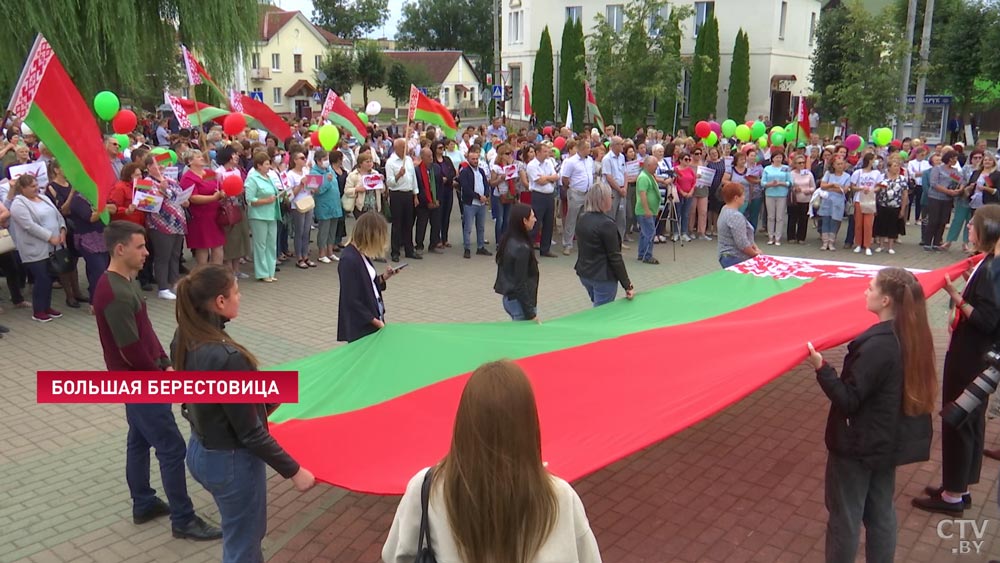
point(264, 214)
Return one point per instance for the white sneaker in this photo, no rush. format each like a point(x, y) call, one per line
point(706, 237)
point(879, 249)
point(770, 242)
point(242, 276)
point(892, 251)
point(675, 238)
point(777, 243)
point(857, 250)
point(334, 258)
point(167, 294)
point(324, 259)
point(868, 252)
point(685, 238)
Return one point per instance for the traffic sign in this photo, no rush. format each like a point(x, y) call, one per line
point(317, 97)
point(489, 78)
point(504, 76)
point(257, 95)
point(497, 92)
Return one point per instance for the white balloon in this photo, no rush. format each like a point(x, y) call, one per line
point(373, 108)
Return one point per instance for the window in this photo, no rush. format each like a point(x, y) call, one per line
point(276, 96)
point(516, 28)
point(297, 63)
point(444, 97)
point(185, 92)
point(784, 16)
point(616, 17)
point(653, 25)
point(255, 61)
point(515, 89)
point(702, 10)
point(812, 29)
point(574, 13)
point(318, 62)
point(276, 61)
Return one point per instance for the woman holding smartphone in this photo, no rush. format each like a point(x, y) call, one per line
point(361, 310)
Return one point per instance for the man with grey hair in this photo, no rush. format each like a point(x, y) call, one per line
point(599, 263)
point(613, 167)
point(577, 177)
point(646, 206)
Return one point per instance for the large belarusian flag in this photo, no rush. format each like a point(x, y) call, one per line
point(271, 121)
point(608, 381)
point(198, 113)
point(422, 108)
point(592, 110)
point(53, 108)
point(339, 113)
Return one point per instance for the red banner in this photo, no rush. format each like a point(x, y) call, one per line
point(168, 387)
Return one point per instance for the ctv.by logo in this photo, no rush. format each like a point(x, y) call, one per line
point(970, 534)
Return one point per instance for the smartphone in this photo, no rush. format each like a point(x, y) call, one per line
point(396, 269)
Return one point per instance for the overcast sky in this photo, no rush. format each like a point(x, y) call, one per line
point(388, 30)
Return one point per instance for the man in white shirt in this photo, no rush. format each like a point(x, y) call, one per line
point(542, 179)
point(497, 130)
point(578, 177)
point(613, 167)
point(401, 179)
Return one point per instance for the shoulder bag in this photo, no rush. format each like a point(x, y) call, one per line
point(6, 242)
point(60, 260)
point(425, 553)
point(229, 213)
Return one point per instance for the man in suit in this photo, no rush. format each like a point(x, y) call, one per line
point(474, 184)
point(429, 186)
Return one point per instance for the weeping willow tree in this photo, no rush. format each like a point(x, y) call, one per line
point(130, 47)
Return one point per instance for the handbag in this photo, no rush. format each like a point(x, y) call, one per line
point(6, 242)
point(305, 204)
point(229, 213)
point(867, 202)
point(60, 261)
point(348, 201)
point(425, 553)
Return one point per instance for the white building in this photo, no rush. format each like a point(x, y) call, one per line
point(782, 34)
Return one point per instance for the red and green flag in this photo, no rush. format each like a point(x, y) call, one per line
point(264, 115)
point(198, 113)
point(592, 110)
point(608, 381)
point(339, 113)
point(423, 108)
point(53, 108)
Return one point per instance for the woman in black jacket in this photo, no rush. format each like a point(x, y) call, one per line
point(517, 267)
point(879, 416)
point(230, 442)
point(361, 310)
point(974, 330)
point(599, 263)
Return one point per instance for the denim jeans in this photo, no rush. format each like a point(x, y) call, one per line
point(829, 226)
point(41, 288)
point(727, 260)
point(513, 308)
point(238, 483)
point(647, 226)
point(153, 426)
point(502, 216)
point(470, 214)
point(600, 292)
point(856, 495)
point(683, 214)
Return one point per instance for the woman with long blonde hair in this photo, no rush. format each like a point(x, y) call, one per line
point(491, 500)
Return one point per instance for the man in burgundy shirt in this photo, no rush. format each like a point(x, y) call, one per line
point(130, 344)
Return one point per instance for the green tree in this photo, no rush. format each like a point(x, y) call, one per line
point(705, 72)
point(964, 33)
point(462, 25)
point(398, 82)
point(350, 18)
point(739, 79)
point(371, 67)
point(543, 80)
point(572, 66)
point(339, 71)
point(629, 74)
point(828, 57)
point(991, 44)
point(130, 46)
point(944, 17)
point(670, 74)
point(872, 49)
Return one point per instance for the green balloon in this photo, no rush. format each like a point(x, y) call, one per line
point(329, 136)
point(777, 129)
point(555, 152)
point(778, 138)
point(762, 142)
point(904, 155)
point(728, 128)
point(313, 127)
point(758, 130)
point(173, 156)
point(106, 105)
point(742, 133)
point(122, 141)
point(363, 117)
point(883, 136)
point(793, 131)
point(711, 139)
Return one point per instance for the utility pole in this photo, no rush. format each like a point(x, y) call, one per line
point(904, 91)
point(925, 51)
point(497, 78)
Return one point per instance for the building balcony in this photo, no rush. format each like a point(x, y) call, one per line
point(260, 74)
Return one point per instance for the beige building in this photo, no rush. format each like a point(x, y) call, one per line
point(450, 76)
point(282, 68)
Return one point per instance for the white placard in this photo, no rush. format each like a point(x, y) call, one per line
point(36, 169)
point(705, 177)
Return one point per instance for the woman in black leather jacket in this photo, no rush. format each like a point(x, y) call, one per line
point(599, 263)
point(230, 443)
point(879, 416)
point(517, 267)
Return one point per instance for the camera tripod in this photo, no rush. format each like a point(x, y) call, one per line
point(671, 219)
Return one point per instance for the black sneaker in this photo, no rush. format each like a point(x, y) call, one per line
point(938, 505)
point(159, 509)
point(4, 330)
point(415, 256)
point(395, 257)
point(936, 492)
point(483, 252)
point(467, 253)
point(198, 530)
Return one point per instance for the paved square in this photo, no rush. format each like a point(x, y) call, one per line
point(744, 485)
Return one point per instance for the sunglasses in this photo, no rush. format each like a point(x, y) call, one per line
point(686, 158)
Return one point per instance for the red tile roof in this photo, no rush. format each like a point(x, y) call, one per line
point(437, 63)
point(300, 88)
point(274, 18)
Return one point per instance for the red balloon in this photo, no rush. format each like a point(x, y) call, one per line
point(749, 123)
point(234, 124)
point(233, 185)
point(314, 138)
point(560, 142)
point(702, 129)
point(547, 130)
point(896, 143)
point(124, 122)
